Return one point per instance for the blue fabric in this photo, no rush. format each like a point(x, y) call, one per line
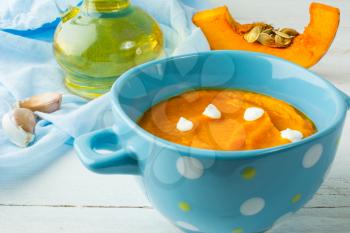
point(31, 14)
point(28, 67)
point(44, 34)
point(45, 25)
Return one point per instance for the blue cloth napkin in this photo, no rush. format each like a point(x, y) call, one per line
point(31, 14)
point(28, 67)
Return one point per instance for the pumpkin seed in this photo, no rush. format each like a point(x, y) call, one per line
point(253, 34)
point(282, 34)
point(281, 42)
point(289, 31)
point(266, 39)
point(268, 31)
point(266, 35)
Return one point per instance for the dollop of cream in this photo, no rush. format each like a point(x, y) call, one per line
point(184, 125)
point(292, 135)
point(253, 113)
point(212, 111)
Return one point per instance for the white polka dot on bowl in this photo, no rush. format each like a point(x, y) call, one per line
point(190, 168)
point(187, 226)
point(312, 156)
point(252, 206)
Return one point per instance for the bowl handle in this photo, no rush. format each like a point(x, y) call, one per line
point(114, 160)
point(346, 98)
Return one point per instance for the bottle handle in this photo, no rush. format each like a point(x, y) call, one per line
point(66, 10)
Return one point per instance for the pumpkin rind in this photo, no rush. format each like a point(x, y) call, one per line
point(224, 33)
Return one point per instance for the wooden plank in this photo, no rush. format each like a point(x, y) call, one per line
point(67, 182)
point(131, 220)
point(317, 220)
point(82, 220)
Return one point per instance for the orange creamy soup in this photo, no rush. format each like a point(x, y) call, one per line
point(227, 120)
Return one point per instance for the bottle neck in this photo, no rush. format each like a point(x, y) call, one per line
point(106, 5)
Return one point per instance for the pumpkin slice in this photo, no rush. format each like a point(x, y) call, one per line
point(224, 33)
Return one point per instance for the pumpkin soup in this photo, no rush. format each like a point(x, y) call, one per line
point(227, 120)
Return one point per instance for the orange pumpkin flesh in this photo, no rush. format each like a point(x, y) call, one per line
point(224, 33)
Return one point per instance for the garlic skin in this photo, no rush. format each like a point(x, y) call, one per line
point(47, 102)
point(18, 125)
point(25, 119)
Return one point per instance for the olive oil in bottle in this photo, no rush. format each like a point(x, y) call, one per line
point(102, 39)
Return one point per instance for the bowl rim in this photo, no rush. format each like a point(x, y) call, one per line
point(221, 154)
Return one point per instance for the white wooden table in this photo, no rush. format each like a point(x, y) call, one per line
point(65, 197)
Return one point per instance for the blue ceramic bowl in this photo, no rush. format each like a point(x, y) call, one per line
point(219, 191)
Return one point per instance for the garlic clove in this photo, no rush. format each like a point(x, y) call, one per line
point(18, 125)
point(47, 102)
point(25, 119)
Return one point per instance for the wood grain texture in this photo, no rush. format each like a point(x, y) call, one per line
point(65, 197)
point(136, 220)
